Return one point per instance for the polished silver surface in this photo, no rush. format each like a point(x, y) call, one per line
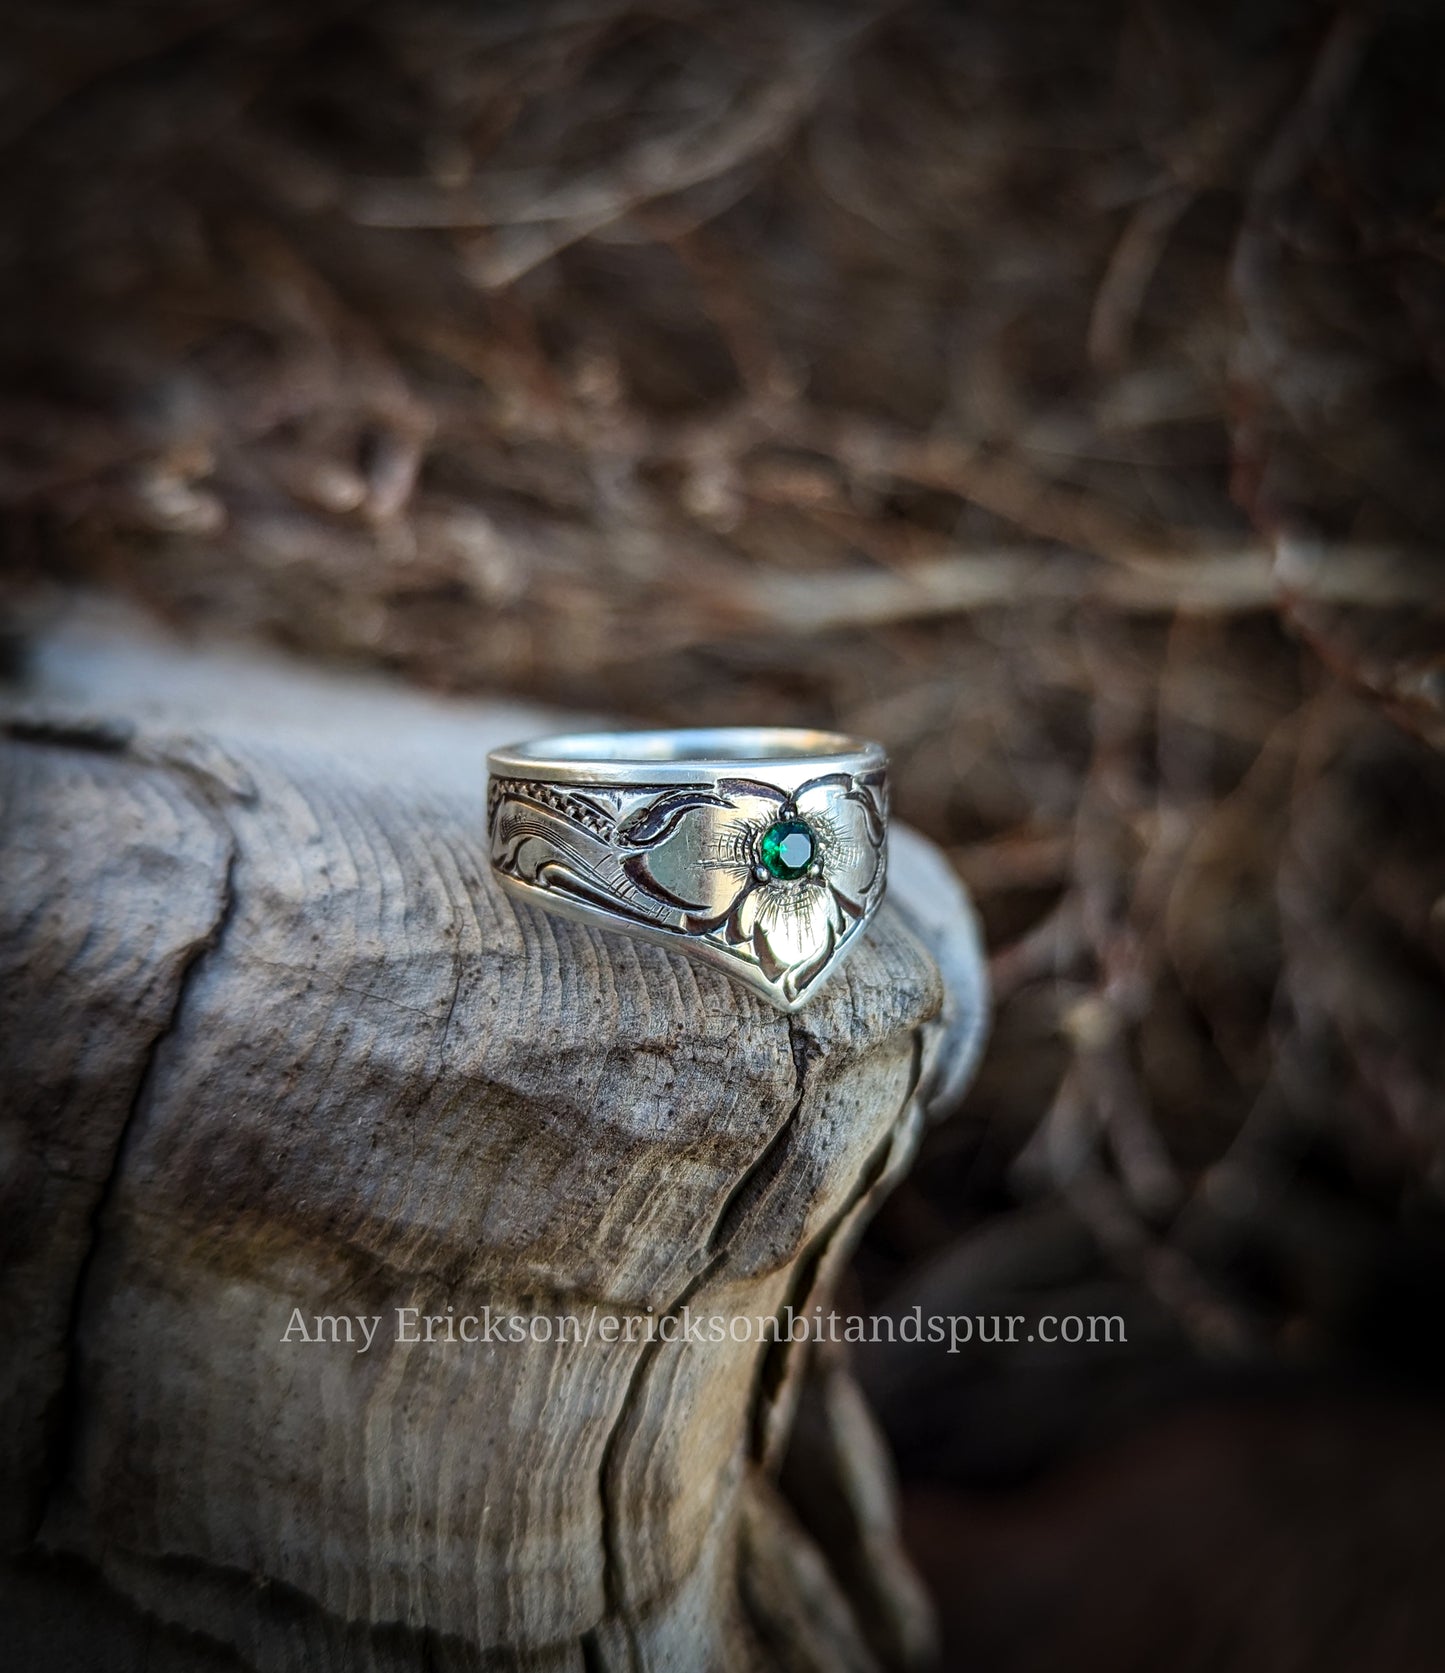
point(757, 849)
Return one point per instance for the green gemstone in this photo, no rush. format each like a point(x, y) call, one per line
point(788, 850)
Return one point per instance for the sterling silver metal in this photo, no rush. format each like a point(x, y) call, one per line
point(661, 835)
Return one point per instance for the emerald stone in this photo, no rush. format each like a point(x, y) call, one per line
point(788, 850)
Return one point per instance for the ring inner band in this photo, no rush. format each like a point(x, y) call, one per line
point(574, 757)
point(701, 744)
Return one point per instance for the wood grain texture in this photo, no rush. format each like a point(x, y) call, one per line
point(281, 1043)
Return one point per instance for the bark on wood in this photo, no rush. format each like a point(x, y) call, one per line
point(274, 1040)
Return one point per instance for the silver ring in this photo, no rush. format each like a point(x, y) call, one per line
point(758, 849)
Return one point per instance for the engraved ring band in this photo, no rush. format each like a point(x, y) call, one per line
point(757, 849)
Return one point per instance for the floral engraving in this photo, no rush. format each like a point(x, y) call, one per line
point(690, 860)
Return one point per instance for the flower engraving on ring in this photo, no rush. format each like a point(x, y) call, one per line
point(776, 882)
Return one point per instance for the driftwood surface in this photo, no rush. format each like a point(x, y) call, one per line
point(276, 1041)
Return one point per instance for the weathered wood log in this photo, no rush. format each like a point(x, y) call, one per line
point(278, 1050)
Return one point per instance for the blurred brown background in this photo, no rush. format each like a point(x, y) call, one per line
point(1051, 390)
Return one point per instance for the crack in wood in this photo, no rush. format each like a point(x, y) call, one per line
point(63, 1422)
